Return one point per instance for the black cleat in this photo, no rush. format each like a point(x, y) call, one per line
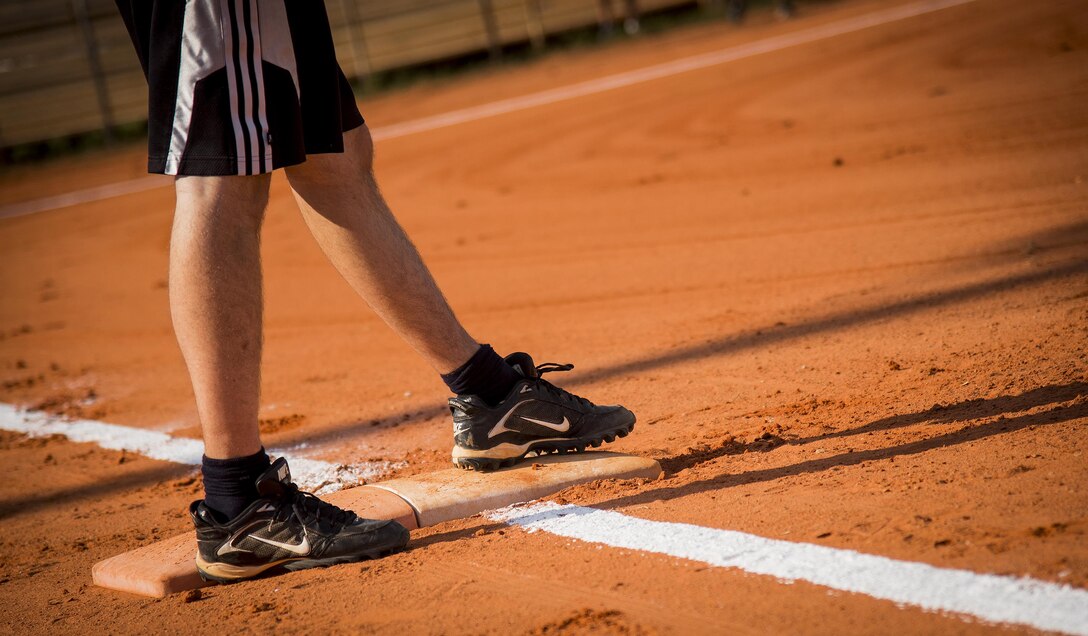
point(286, 528)
point(536, 416)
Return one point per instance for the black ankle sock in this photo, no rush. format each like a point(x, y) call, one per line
point(485, 375)
point(231, 484)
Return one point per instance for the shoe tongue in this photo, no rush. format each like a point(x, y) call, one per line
point(274, 481)
point(523, 364)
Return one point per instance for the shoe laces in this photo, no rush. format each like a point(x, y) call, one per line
point(307, 506)
point(562, 394)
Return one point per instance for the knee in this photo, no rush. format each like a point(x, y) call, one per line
point(360, 146)
point(222, 201)
point(323, 170)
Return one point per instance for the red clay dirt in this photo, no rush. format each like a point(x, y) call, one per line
point(844, 286)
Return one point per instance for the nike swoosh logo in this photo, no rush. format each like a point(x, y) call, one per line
point(501, 427)
point(301, 549)
point(561, 427)
point(229, 546)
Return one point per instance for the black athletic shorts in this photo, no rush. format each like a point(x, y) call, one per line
point(239, 87)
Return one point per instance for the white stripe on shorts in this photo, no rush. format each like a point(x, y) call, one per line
point(231, 62)
point(200, 56)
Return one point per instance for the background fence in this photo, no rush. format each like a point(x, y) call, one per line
point(67, 66)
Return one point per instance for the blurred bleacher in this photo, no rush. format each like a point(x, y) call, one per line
point(67, 66)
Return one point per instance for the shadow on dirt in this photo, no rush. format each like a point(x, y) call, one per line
point(726, 345)
point(27, 503)
point(842, 321)
point(965, 411)
point(938, 414)
point(483, 528)
point(707, 452)
point(732, 344)
point(1001, 425)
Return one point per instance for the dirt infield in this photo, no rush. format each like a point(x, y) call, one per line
point(843, 285)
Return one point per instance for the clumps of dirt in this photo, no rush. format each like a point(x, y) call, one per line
point(900, 151)
point(25, 382)
point(765, 442)
point(192, 596)
point(600, 488)
point(416, 461)
point(75, 404)
point(807, 406)
point(10, 440)
point(702, 453)
point(1046, 531)
point(591, 621)
point(399, 563)
point(15, 332)
point(277, 424)
point(72, 400)
point(190, 484)
point(48, 291)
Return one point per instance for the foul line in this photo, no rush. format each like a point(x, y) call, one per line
point(78, 197)
point(667, 69)
point(311, 474)
point(551, 96)
point(997, 599)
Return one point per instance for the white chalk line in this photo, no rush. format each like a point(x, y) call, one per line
point(666, 69)
point(542, 98)
point(992, 598)
point(310, 474)
point(79, 197)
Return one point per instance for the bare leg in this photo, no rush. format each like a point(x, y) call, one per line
point(346, 213)
point(215, 302)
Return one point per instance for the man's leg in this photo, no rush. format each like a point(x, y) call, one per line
point(341, 203)
point(249, 520)
point(215, 302)
point(346, 213)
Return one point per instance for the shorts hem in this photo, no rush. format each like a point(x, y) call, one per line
point(212, 166)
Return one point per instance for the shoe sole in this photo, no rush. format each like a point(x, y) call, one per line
point(226, 573)
point(544, 447)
